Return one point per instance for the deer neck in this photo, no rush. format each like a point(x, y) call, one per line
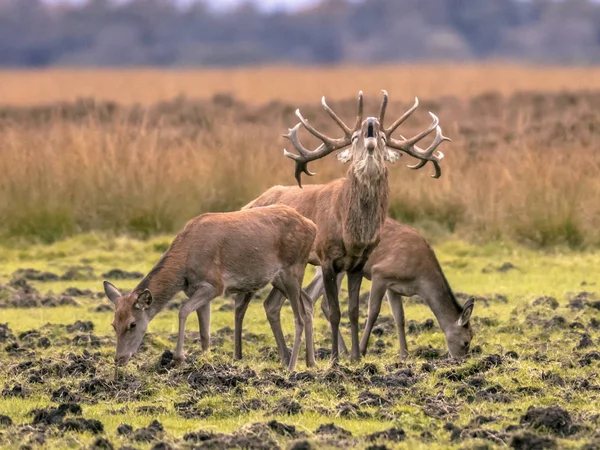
point(444, 305)
point(163, 281)
point(366, 205)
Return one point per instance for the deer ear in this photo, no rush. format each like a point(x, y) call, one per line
point(345, 156)
point(111, 292)
point(463, 320)
point(144, 300)
point(391, 156)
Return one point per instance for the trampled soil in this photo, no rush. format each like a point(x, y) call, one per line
point(519, 396)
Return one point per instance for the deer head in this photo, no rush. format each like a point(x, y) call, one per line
point(130, 321)
point(459, 334)
point(368, 144)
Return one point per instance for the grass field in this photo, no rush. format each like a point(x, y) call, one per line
point(535, 346)
point(99, 169)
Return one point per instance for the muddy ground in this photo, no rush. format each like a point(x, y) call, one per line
point(531, 383)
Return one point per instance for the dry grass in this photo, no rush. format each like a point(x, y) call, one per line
point(522, 166)
point(293, 84)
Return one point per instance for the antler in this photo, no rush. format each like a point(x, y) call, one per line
point(409, 145)
point(329, 145)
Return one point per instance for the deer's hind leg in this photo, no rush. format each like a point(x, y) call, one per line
point(375, 298)
point(287, 282)
point(273, 304)
point(395, 301)
point(241, 306)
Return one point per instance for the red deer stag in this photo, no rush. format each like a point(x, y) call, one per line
point(349, 212)
point(403, 264)
point(222, 253)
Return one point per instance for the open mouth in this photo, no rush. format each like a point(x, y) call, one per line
point(370, 131)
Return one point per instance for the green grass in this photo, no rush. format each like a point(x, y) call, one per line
point(516, 326)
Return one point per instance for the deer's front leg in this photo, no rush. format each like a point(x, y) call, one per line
point(354, 282)
point(203, 295)
point(241, 305)
point(331, 294)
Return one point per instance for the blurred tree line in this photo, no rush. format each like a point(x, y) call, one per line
point(160, 33)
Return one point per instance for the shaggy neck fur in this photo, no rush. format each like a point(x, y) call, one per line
point(367, 202)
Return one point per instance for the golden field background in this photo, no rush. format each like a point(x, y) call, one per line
point(142, 151)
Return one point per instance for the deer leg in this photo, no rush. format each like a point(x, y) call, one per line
point(286, 283)
point(272, 305)
point(201, 297)
point(308, 327)
point(316, 289)
point(375, 299)
point(203, 314)
point(354, 282)
point(395, 301)
point(331, 295)
point(241, 306)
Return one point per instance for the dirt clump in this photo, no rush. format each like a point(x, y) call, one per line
point(400, 379)
point(529, 441)
point(282, 429)
point(76, 292)
point(367, 398)
point(149, 433)
point(101, 443)
point(415, 327)
point(124, 429)
point(5, 421)
point(81, 425)
point(189, 410)
point(331, 429)
point(300, 445)
point(5, 333)
point(119, 274)
point(16, 391)
point(151, 410)
point(589, 358)
point(54, 416)
point(63, 394)
point(219, 376)
point(350, 410)
point(79, 325)
point(392, 435)
point(585, 342)
point(287, 407)
point(256, 436)
point(34, 275)
point(554, 419)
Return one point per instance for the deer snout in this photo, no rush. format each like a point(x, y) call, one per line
point(122, 360)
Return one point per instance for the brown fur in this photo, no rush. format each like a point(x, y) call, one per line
point(216, 254)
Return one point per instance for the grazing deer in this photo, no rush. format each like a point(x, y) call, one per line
point(403, 264)
point(222, 253)
point(349, 212)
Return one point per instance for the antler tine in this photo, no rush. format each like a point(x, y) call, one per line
point(359, 114)
point(335, 117)
point(388, 132)
point(384, 104)
point(301, 164)
point(426, 155)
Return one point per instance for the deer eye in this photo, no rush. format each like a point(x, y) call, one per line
point(132, 325)
point(465, 344)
